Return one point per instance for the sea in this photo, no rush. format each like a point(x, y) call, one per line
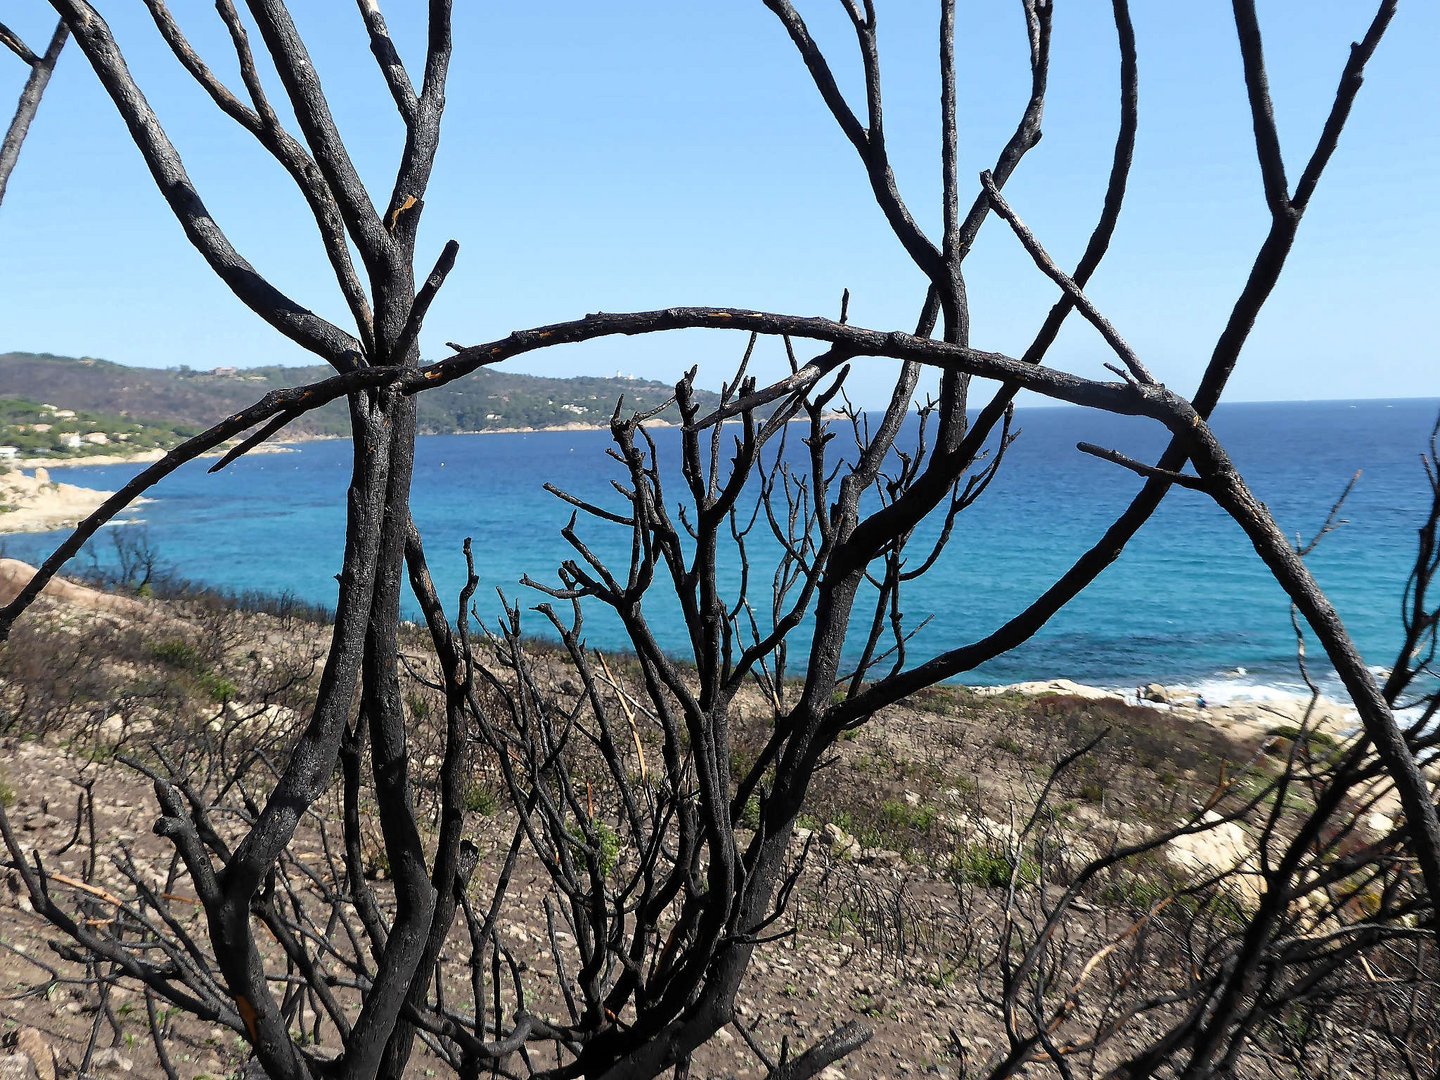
point(1188, 603)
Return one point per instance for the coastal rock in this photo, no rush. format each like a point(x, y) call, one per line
point(37, 504)
point(1066, 687)
point(1157, 693)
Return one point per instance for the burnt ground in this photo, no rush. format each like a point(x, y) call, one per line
point(894, 922)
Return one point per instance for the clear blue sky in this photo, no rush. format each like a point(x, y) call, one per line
point(627, 156)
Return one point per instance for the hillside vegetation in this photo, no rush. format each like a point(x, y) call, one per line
point(36, 429)
point(184, 397)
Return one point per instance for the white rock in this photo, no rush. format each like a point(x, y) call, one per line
point(840, 842)
point(111, 1059)
point(17, 1067)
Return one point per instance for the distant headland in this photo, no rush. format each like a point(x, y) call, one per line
point(56, 409)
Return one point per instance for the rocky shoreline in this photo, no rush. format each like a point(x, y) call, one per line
point(1241, 716)
point(35, 503)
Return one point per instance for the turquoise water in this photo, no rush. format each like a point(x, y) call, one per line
point(1187, 603)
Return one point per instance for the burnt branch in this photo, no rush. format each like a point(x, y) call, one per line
point(653, 801)
point(299, 324)
point(41, 68)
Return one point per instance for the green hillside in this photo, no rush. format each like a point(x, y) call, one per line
point(185, 397)
point(34, 429)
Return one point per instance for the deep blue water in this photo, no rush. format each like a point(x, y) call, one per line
point(1187, 601)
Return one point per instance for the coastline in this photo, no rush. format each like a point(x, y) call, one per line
point(290, 442)
point(300, 440)
point(1267, 700)
point(35, 503)
point(144, 457)
point(1242, 711)
point(568, 428)
point(286, 446)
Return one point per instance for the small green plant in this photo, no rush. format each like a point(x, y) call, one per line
point(1296, 1026)
point(607, 845)
point(217, 688)
point(941, 977)
point(1009, 744)
point(1151, 882)
point(741, 761)
point(965, 786)
point(941, 700)
point(843, 921)
point(95, 753)
point(180, 655)
point(481, 799)
point(1316, 739)
point(1318, 745)
point(986, 863)
point(750, 815)
point(901, 816)
point(1135, 891)
point(863, 830)
point(379, 867)
point(7, 793)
